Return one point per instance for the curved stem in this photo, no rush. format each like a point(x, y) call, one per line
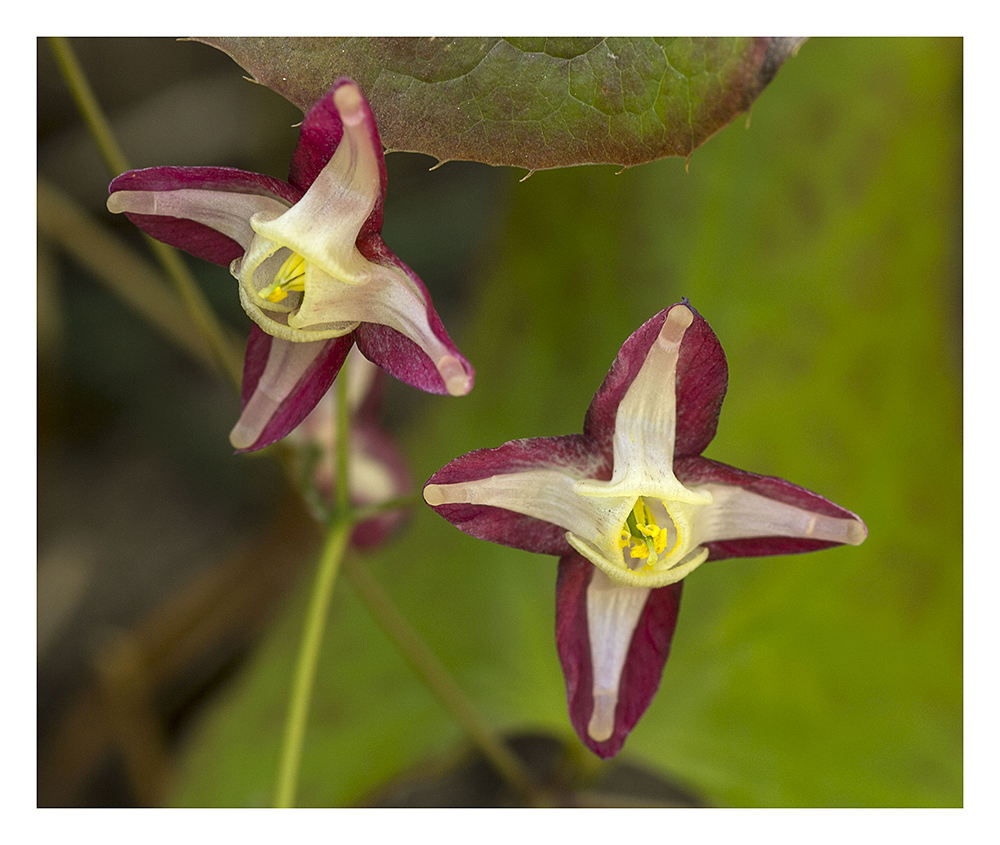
point(410, 500)
point(305, 668)
point(89, 108)
point(440, 682)
point(413, 648)
point(326, 576)
point(187, 288)
point(119, 268)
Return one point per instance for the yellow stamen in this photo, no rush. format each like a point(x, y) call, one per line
point(277, 295)
point(291, 275)
point(643, 537)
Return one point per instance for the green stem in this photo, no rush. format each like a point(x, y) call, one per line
point(364, 512)
point(187, 288)
point(338, 537)
point(89, 108)
point(119, 268)
point(326, 576)
point(439, 681)
point(305, 669)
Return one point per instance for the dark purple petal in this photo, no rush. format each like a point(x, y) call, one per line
point(404, 360)
point(644, 664)
point(308, 391)
point(369, 408)
point(196, 238)
point(698, 470)
point(228, 179)
point(700, 385)
point(702, 378)
point(322, 130)
point(599, 422)
point(572, 452)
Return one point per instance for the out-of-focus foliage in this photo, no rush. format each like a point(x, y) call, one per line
point(822, 244)
point(529, 102)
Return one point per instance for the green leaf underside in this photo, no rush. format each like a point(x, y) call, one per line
point(537, 103)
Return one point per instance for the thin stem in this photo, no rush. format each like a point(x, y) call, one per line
point(333, 556)
point(199, 309)
point(439, 681)
point(364, 512)
point(119, 268)
point(187, 288)
point(305, 669)
point(89, 108)
point(333, 553)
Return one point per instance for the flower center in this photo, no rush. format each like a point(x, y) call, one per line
point(290, 276)
point(643, 540)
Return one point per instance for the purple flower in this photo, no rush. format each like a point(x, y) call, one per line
point(631, 508)
point(314, 273)
point(377, 471)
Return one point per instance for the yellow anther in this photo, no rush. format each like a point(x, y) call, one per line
point(291, 275)
point(277, 295)
point(644, 538)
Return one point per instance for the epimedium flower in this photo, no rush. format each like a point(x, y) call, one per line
point(314, 273)
point(377, 471)
point(631, 508)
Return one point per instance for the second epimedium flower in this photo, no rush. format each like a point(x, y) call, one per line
point(631, 508)
point(314, 273)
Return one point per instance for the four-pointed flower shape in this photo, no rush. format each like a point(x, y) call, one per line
point(631, 507)
point(314, 273)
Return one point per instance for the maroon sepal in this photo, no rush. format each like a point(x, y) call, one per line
point(571, 452)
point(701, 381)
point(310, 388)
point(647, 654)
point(196, 238)
point(699, 470)
point(320, 135)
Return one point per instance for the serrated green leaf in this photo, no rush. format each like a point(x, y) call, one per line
point(536, 103)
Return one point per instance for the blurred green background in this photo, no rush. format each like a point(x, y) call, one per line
point(823, 245)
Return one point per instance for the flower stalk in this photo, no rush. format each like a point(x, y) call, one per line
point(308, 659)
point(440, 682)
point(205, 319)
point(118, 267)
point(211, 344)
point(337, 541)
